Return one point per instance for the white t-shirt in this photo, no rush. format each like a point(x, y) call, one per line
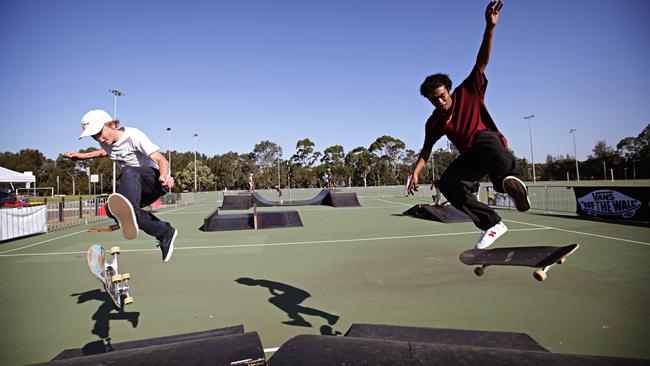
point(132, 149)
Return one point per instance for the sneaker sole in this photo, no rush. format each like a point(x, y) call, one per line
point(517, 191)
point(171, 247)
point(122, 209)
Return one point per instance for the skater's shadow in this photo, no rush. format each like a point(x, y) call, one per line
point(288, 298)
point(102, 317)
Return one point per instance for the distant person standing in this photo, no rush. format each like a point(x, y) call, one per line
point(144, 175)
point(277, 189)
point(327, 179)
point(251, 183)
point(463, 117)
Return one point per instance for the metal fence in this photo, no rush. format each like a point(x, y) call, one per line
point(548, 198)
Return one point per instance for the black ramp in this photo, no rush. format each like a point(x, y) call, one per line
point(312, 350)
point(112, 347)
point(316, 200)
point(344, 199)
point(245, 221)
point(237, 202)
point(221, 350)
point(446, 213)
point(476, 338)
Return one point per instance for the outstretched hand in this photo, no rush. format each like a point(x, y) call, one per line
point(413, 185)
point(492, 12)
point(74, 155)
point(166, 181)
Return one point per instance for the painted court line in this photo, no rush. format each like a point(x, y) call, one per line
point(394, 203)
point(579, 232)
point(42, 242)
point(64, 236)
point(257, 245)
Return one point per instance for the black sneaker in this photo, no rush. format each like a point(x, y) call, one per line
point(167, 244)
point(517, 190)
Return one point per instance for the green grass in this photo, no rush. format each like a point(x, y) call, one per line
point(365, 265)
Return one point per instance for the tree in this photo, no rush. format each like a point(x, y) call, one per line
point(204, 177)
point(267, 154)
point(305, 155)
point(359, 160)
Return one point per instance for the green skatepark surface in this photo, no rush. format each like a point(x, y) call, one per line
point(365, 264)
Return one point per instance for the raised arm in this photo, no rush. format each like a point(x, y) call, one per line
point(491, 19)
point(75, 155)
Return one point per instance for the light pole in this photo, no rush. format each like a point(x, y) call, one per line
point(575, 154)
point(116, 93)
point(195, 184)
point(530, 133)
point(169, 149)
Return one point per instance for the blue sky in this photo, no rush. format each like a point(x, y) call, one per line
point(338, 72)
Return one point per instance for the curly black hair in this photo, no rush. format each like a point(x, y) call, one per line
point(433, 82)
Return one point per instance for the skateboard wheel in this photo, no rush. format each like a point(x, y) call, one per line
point(116, 278)
point(561, 261)
point(128, 300)
point(126, 276)
point(479, 271)
point(115, 250)
point(540, 275)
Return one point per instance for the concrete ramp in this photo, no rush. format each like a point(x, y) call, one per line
point(446, 213)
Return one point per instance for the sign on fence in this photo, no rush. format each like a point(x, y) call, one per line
point(629, 203)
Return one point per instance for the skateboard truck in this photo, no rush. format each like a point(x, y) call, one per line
point(540, 274)
point(120, 281)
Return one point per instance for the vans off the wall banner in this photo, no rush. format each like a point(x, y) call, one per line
point(627, 203)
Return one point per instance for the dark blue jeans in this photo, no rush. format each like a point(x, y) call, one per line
point(141, 187)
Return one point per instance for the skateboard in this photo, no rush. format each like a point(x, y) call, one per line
point(107, 272)
point(542, 258)
point(123, 212)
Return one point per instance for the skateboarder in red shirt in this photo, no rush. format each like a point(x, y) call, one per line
point(463, 117)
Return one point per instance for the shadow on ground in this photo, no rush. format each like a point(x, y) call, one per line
point(105, 313)
point(288, 299)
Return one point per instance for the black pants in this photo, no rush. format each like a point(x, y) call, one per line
point(141, 187)
point(488, 155)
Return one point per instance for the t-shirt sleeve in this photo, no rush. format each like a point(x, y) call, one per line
point(475, 83)
point(431, 136)
point(143, 143)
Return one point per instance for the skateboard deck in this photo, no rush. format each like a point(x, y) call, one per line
point(123, 212)
point(540, 257)
point(115, 284)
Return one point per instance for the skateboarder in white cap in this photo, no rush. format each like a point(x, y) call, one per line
point(144, 176)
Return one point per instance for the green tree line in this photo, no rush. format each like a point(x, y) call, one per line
point(386, 161)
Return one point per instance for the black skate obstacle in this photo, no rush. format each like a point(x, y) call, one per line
point(445, 213)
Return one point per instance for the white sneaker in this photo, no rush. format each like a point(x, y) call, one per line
point(490, 235)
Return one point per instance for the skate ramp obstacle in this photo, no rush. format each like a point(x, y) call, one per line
point(367, 344)
point(343, 199)
point(446, 213)
point(237, 202)
point(324, 197)
point(246, 221)
point(214, 347)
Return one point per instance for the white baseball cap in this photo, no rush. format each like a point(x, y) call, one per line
point(93, 122)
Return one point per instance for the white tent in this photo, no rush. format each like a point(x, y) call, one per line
point(9, 176)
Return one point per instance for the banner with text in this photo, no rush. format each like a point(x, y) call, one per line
point(628, 203)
